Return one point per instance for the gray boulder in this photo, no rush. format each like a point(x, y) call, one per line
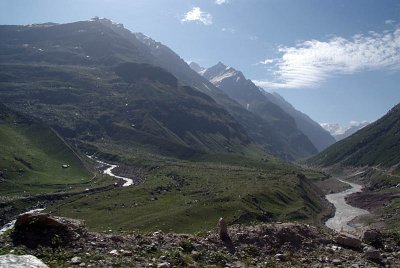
point(21, 261)
point(372, 237)
point(33, 230)
point(348, 241)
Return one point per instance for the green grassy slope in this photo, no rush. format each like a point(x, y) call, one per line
point(32, 157)
point(376, 144)
point(183, 196)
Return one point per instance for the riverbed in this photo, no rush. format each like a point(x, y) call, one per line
point(344, 213)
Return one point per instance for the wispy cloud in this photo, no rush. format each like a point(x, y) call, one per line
point(197, 15)
point(310, 63)
point(389, 21)
point(229, 30)
point(221, 2)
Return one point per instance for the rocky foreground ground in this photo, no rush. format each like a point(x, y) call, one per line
point(61, 242)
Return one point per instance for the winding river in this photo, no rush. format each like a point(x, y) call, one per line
point(108, 171)
point(344, 212)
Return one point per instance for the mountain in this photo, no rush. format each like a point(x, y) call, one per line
point(195, 67)
point(376, 144)
point(260, 129)
point(272, 107)
point(317, 135)
point(81, 57)
point(340, 133)
point(84, 80)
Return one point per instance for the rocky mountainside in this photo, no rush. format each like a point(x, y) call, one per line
point(273, 137)
point(317, 135)
point(64, 61)
point(377, 144)
point(73, 77)
point(271, 107)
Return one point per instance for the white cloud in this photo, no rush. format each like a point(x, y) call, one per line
point(310, 63)
point(197, 15)
point(389, 21)
point(267, 61)
point(221, 2)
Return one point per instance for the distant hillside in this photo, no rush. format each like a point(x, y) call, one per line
point(273, 108)
point(317, 135)
point(375, 144)
point(32, 157)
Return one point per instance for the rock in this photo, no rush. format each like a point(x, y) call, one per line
point(164, 265)
point(14, 261)
point(348, 241)
point(195, 255)
point(336, 262)
point(280, 257)
point(223, 230)
point(126, 252)
point(33, 230)
point(372, 254)
point(114, 252)
point(372, 237)
point(76, 260)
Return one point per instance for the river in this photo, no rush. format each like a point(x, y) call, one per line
point(108, 171)
point(344, 212)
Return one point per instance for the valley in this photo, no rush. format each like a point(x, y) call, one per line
point(135, 157)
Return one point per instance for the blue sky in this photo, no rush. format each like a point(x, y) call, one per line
point(336, 60)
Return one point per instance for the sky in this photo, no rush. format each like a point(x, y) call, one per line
point(336, 60)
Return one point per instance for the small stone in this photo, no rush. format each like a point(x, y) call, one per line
point(164, 265)
point(280, 257)
point(82, 264)
point(372, 254)
point(304, 260)
point(125, 252)
point(76, 260)
point(336, 262)
point(195, 255)
point(114, 252)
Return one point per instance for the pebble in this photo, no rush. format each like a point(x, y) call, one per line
point(76, 260)
point(164, 265)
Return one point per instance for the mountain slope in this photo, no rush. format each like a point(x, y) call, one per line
point(317, 135)
point(375, 144)
point(90, 50)
point(234, 84)
point(32, 157)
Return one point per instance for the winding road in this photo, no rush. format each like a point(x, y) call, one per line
point(344, 212)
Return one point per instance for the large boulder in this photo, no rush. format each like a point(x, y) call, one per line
point(372, 237)
point(22, 261)
point(348, 241)
point(33, 230)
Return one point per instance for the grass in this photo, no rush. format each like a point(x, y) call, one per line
point(190, 197)
point(32, 157)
